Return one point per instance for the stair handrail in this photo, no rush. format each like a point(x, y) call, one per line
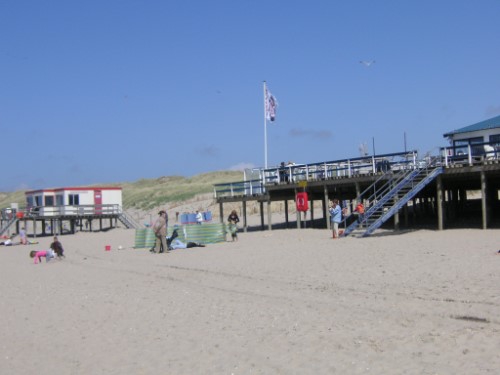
point(9, 223)
point(404, 199)
point(129, 219)
point(390, 189)
point(401, 179)
point(389, 178)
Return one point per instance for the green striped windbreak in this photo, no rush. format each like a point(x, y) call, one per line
point(204, 233)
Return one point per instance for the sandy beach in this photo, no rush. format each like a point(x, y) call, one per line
point(275, 302)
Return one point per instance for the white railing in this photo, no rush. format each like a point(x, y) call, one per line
point(317, 171)
point(470, 154)
point(69, 210)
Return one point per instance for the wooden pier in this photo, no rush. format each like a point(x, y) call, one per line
point(465, 194)
point(56, 220)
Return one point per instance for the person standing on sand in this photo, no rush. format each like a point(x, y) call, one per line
point(360, 211)
point(199, 217)
point(160, 230)
point(23, 237)
point(335, 217)
point(233, 220)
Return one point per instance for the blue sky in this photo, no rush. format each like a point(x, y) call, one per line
point(115, 91)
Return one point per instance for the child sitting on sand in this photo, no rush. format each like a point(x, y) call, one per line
point(57, 247)
point(38, 254)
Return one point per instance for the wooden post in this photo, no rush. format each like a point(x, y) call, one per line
point(244, 216)
point(221, 213)
point(405, 214)
point(286, 213)
point(439, 199)
point(269, 216)
point(396, 215)
point(261, 215)
point(484, 207)
point(312, 213)
point(297, 212)
point(325, 207)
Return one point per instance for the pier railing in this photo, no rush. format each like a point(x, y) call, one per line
point(470, 154)
point(293, 173)
point(65, 210)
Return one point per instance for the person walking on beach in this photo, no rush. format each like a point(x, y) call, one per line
point(335, 217)
point(233, 220)
point(160, 230)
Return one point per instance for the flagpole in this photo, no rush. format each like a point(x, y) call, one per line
point(265, 128)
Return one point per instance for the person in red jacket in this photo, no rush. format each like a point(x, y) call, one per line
point(360, 211)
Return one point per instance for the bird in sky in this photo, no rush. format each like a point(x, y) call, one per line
point(367, 63)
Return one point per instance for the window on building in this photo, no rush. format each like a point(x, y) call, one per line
point(49, 201)
point(38, 200)
point(59, 200)
point(461, 146)
point(73, 199)
point(495, 140)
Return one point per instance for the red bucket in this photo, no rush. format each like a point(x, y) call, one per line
point(107, 247)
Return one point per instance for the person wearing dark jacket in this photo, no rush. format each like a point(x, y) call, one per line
point(57, 247)
point(233, 221)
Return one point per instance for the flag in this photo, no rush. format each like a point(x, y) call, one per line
point(271, 105)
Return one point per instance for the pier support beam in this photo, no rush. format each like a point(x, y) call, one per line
point(325, 207)
point(312, 213)
point(484, 206)
point(439, 201)
point(286, 213)
point(245, 225)
point(221, 213)
point(261, 204)
point(269, 216)
point(297, 213)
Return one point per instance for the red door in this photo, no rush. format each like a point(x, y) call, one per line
point(98, 202)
